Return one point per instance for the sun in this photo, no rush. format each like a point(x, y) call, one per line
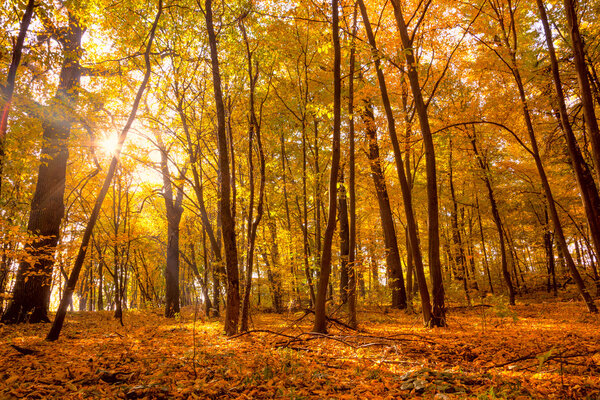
point(109, 145)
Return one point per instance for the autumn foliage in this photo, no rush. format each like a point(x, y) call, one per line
point(342, 199)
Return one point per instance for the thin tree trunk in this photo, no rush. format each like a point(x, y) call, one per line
point(582, 79)
point(9, 88)
point(344, 238)
point(352, 320)
point(483, 248)
point(68, 293)
point(305, 244)
point(227, 221)
point(585, 180)
point(392, 256)
point(435, 267)
point(320, 324)
point(457, 252)
point(254, 129)
point(485, 176)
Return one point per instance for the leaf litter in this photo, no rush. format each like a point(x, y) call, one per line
point(543, 351)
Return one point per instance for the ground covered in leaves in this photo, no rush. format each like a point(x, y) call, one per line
point(537, 349)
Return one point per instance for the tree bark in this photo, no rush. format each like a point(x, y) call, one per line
point(584, 178)
point(392, 256)
point(173, 205)
point(352, 320)
point(344, 238)
point(254, 128)
point(404, 183)
point(227, 222)
point(485, 176)
point(320, 324)
point(457, 251)
point(435, 267)
point(31, 292)
point(587, 99)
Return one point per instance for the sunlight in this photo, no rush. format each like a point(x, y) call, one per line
point(109, 145)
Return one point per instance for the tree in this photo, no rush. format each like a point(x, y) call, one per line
point(254, 130)
point(31, 293)
point(320, 324)
point(61, 313)
point(435, 267)
point(227, 222)
point(174, 208)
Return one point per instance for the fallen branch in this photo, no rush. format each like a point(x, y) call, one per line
point(261, 331)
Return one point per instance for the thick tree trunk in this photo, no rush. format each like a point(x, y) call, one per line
point(227, 221)
point(31, 292)
point(173, 205)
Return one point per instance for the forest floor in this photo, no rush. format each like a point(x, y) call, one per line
point(536, 350)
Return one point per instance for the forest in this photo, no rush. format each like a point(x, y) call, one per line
point(300, 199)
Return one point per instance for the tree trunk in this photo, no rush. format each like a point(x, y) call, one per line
point(273, 272)
point(352, 321)
point(584, 178)
point(254, 130)
point(70, 286)
point(385, 212)
point(173, 205)
point(485, 176)
point(227, 221)
point(457, 251)
point(320, 324)
point(32, 286)
point(428, 317)
point(582, 79)
point(305, 244)
point(483, 248)
point(344, 238)
point(435, 267)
